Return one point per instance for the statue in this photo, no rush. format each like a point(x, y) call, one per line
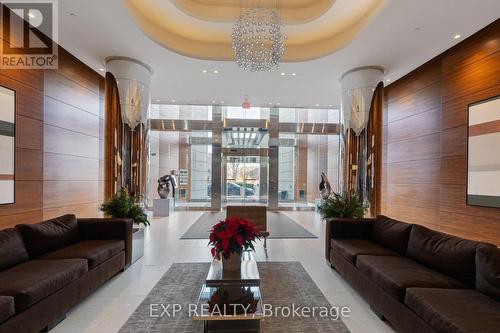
point(165, 186)
point(324, 187)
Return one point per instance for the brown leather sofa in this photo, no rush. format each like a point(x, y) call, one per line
point(47, 268)
point(420, 280)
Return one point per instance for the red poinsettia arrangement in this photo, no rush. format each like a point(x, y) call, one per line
point(232, 235)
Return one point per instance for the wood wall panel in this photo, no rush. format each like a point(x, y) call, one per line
point(63, 141)
point(424, 177)
point(57, 122)
point(425, 123)
point(70, 168)
point(420, 148)
point(72, 109)
point(28, 204)
point(63, 115)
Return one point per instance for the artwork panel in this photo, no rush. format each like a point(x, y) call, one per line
point(6, 191)
point(484, 183)
point(7, 145)
point(7, 105)
point(483, 153)
point(484, 149)
point(484, 112)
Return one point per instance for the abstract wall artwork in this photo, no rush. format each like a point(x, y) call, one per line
point(483, 167)
point(7, 145)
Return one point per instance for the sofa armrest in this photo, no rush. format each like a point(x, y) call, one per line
point(109, 228)
point(346, 228)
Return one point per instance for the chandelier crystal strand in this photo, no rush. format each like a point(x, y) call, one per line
point(258, 42)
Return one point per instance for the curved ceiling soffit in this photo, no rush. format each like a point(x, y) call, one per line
point(292, 11)
point(190, 36)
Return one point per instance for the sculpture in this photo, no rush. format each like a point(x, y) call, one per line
point(165, 186)
point(324, 187)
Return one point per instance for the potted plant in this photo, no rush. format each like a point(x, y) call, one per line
point(229, 238)
point(339, 206)
point(123, 205)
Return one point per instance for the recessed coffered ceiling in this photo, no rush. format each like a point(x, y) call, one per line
point(402, 36)
point(202, 29)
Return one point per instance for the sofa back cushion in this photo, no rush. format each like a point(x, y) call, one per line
point(444, 253)
point(12, 249)
point(391, 233)
point(50, 235)
point(488, 271)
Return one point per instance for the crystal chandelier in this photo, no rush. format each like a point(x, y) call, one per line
point(257, 39)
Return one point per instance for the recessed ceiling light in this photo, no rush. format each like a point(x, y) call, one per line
point(173, 101)
point(213, 102)
point(388, 80)
point(216, 71)
point(102, 69)
point(457, 36)
point(270, 103)
point(204, 71)
point(283, 73)
point(330, 105)
point(294, 74)
point(317, 105)
point(278, 103)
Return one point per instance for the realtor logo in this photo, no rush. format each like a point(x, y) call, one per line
point(29, 34)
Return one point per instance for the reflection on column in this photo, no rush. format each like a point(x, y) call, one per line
point(361, 133)
point(127, 127)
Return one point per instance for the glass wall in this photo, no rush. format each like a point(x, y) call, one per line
point(301, 157)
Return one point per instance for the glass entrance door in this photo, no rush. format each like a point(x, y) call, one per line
point(245, 180)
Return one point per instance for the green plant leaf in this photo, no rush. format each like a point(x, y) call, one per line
point(122, 205)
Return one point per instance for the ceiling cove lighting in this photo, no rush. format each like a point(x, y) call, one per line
point(257, 39)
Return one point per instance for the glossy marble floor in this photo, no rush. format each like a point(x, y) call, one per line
point(109, 307)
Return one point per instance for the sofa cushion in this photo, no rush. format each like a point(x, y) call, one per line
point(95, 251)
point(7, 309)
point(447, 254)
point(395, 274)
point(34, 280)
point(12, 250)
point(488, 271)
point(50, 235)
point(455, 310)
point(349, 249)
point(391, 233)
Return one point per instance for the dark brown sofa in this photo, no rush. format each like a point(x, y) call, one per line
point(420, 280)
point(47, 268)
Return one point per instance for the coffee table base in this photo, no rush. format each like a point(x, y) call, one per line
point(231, 326)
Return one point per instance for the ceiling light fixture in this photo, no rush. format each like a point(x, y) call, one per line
point(457, 36)
point(102, 69)
point(216, 71)
point(294, 74)
point(222, 102)
point(173, 101)
point(31, 15)
point(258, 42)
point(388, 80)
point(283, 73)
point(204, 71)
point(317, 105)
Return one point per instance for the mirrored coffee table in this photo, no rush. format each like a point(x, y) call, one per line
point(231, 303)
